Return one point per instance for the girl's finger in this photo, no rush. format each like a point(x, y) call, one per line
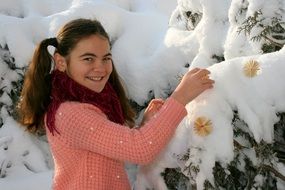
point(208, 81)
point(202, 73)
point(194, 70)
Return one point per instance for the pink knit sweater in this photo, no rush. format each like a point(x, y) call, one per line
point(90, 151)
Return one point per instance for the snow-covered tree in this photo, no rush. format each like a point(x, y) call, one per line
point(248, 153)
point(233, 136)
point(20, 151)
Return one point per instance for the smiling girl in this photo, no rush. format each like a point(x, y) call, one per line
point(82, 105)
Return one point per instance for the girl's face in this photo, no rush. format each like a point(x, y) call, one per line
point(89, 63)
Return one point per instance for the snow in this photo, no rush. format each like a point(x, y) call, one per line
point(22, 150)
point(256, 99)
point(151, 49)
point(40, 180)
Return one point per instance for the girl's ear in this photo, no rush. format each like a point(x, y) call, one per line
point(60, 62)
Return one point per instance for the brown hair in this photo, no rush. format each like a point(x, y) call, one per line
point(35, 95)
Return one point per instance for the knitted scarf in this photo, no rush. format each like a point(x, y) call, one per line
point(65, 89)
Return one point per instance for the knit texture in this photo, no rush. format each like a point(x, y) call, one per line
point(90, 151)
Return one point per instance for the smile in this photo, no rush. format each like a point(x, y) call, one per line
point(95, 78)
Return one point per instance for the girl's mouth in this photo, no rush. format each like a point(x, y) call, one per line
point(95, 78)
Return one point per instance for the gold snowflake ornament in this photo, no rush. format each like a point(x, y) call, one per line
point(251, 68)
point(203, 126)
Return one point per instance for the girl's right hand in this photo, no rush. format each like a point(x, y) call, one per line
point(152, 108)
point(193, 83)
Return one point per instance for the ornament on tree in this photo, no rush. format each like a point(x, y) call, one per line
point(251, 68)
point(203, 126)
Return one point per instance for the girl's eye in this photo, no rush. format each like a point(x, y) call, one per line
point(89, 59)
point(107, 60)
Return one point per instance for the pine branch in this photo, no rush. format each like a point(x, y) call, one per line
point(238, 146)
point(272, 41)
point(274, 171)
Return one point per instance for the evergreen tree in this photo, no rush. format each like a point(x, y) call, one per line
point(244, 171)
point(19, 149)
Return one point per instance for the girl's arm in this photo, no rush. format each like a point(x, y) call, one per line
point(82, 126)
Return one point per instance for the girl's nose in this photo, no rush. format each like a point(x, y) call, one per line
point(98, 65)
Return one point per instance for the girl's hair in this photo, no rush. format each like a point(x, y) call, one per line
point(35, 95)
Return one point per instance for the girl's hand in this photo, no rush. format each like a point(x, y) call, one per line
point(152, 108)
point(193, 83)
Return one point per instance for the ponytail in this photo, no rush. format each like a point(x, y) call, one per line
point(35, 95)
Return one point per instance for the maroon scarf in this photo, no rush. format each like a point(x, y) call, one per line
point(65, 89)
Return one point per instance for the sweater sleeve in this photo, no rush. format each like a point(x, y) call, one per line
point(84, 126)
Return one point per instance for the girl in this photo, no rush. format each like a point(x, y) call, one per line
point(83, 107)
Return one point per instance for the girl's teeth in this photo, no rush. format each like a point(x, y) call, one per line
point(96, 78)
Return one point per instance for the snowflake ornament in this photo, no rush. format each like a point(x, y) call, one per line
point(203, 126)
point(251, 68)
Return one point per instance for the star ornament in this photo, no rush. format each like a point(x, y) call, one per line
point(203, 126)
point(251, 68)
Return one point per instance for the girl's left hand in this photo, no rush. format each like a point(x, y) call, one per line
point(152, 108)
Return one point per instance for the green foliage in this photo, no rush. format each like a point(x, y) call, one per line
point(15, 94)
point(279, 133)
point(253, 166)
point(192, 19)
point(271, 31)
point(218, 58)
point(255, 163)
point(10, 87)
point(174, 179)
